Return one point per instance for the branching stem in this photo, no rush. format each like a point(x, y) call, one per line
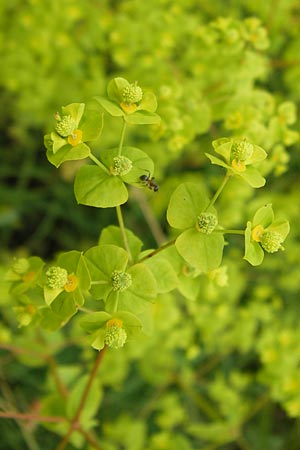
point(159, 249)
point(218, 192)
point(99, 163)
point(75, 421)
point(30, 417)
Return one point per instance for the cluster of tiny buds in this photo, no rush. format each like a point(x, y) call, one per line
point(121, 165)
point(132, 93)
point(206, 222)
point(241, 150)
point(65, 125)
point(120, 280)
point(271, 241)
point(20, 266)
point(57, 277)
point(115, 335)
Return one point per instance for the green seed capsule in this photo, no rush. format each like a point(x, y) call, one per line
point(271, 241)
point(57, 277)
point(115, 336)
point(132, 94)
point(120, 280)
point(207, 222)
point(121, 165)
point(65, 126)
point(241, 150)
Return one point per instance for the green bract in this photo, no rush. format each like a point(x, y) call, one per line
point(74, 126)
point(239, 156)
point(96, 187)
point(25, 274)
point(113, 235)
point(111, 329)
point(264, 233)
point(164, 273)
point(128, 100)
point(121, 286)
point(64, 285)
point(199, 244)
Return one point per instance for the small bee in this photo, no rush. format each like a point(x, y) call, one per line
point(149, 182)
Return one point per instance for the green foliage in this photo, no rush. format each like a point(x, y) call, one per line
point(236, 162)
point(264, 233)
point(161, 335)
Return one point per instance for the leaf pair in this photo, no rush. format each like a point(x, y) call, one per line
point(202, 251)
point(97, 187)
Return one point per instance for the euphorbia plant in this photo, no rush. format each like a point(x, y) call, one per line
point(113, 285)
point(115, 271)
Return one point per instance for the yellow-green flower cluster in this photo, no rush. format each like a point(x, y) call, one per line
point(115, 335)
point(207, 222)
point(120, 280)
point(57, 277)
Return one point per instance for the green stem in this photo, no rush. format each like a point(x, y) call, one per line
point(114, 306)
point(122, 138)
point(123, 231)
point(230, 231)
point(159, 249)
point(221, 187)
point(99, 163)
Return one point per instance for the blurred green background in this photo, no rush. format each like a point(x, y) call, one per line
point(227, 376)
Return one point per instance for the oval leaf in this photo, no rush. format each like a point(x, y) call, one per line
point(253, 177)
point(112, 235)
point(186, 203)
point(94, 187)
point(142, 118)
point(68, 153)
point(163, 272)
point(110, 107)
point(201, 251)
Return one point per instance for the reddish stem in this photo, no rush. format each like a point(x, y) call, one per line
point(75, 421)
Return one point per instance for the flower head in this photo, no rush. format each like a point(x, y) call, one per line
point(239, 157)
point(24, 274)
point(264, 234)
point(271, 241)
point(57, 277)
point(206, 222)
point(65, 282)
point(74, 126)
point(120, 286)
point(120, 280)
point(115, 335)
point(132, 93)
point(111, 330)
point(121, 165)
point(126, 99)
point(65, 125)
